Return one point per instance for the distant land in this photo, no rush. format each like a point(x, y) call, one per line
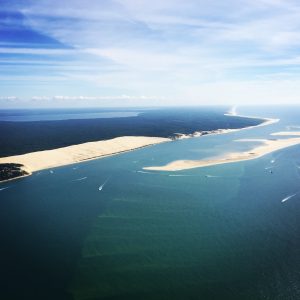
point(30, 146)
point(24, 137)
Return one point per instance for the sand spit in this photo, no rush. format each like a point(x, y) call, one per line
point(40, 160)
point(47, 159)
point(268, 146)
point(266, 122)
point(286, 133)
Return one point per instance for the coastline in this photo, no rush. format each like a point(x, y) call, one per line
point(41, 160)
point(268, 146)
point(15, 178)
point(47, 159)
point(266, 122)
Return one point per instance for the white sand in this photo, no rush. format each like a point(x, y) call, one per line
point(267, 146)
point(73, 154)
point(286, 133)
point(40, 160)
point(266, 122)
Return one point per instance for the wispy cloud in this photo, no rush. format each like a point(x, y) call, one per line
point(186, 50)
point(8, 98)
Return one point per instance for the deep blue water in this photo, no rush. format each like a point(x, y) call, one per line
point(23, 115)
point(158, 236)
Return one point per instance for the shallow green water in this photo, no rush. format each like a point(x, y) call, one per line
point(156, 236)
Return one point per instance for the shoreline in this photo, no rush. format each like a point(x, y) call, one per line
point(16, 178)
point(266, 122)
point(268, 146)
point(47, 159)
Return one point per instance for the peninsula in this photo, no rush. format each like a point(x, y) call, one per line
point(14, 165)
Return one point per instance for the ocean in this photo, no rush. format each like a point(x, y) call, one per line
point(219, 232)
point(34, 115)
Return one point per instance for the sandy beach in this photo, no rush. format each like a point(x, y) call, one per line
point(267, 146)
point(40, 160)
point(286, 133)
point(47, 159)
point(266, 122)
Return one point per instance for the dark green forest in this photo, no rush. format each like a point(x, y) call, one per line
point(23, 137)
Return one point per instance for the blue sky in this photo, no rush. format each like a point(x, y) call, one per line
point(140, 52)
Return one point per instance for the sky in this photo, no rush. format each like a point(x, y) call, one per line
point(144, 53)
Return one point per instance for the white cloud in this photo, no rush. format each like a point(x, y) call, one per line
point(190, 51)
point(246, 92)
point(87, 98)
point(8, 98)
point(37, 51)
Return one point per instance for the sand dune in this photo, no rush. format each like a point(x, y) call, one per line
point(68, 155)
point(40, 160)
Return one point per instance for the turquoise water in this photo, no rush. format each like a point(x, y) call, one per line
point(156, 236)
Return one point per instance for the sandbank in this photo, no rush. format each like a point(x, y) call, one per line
point(268, 146)
point(286, 133)
point(47, 159)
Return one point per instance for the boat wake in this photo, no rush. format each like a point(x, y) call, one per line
point(144, 172)
point(212, 176)
point(268, 168)
point(103, 184)
point(79, 179)
point(288, 198)
point(5, 188)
